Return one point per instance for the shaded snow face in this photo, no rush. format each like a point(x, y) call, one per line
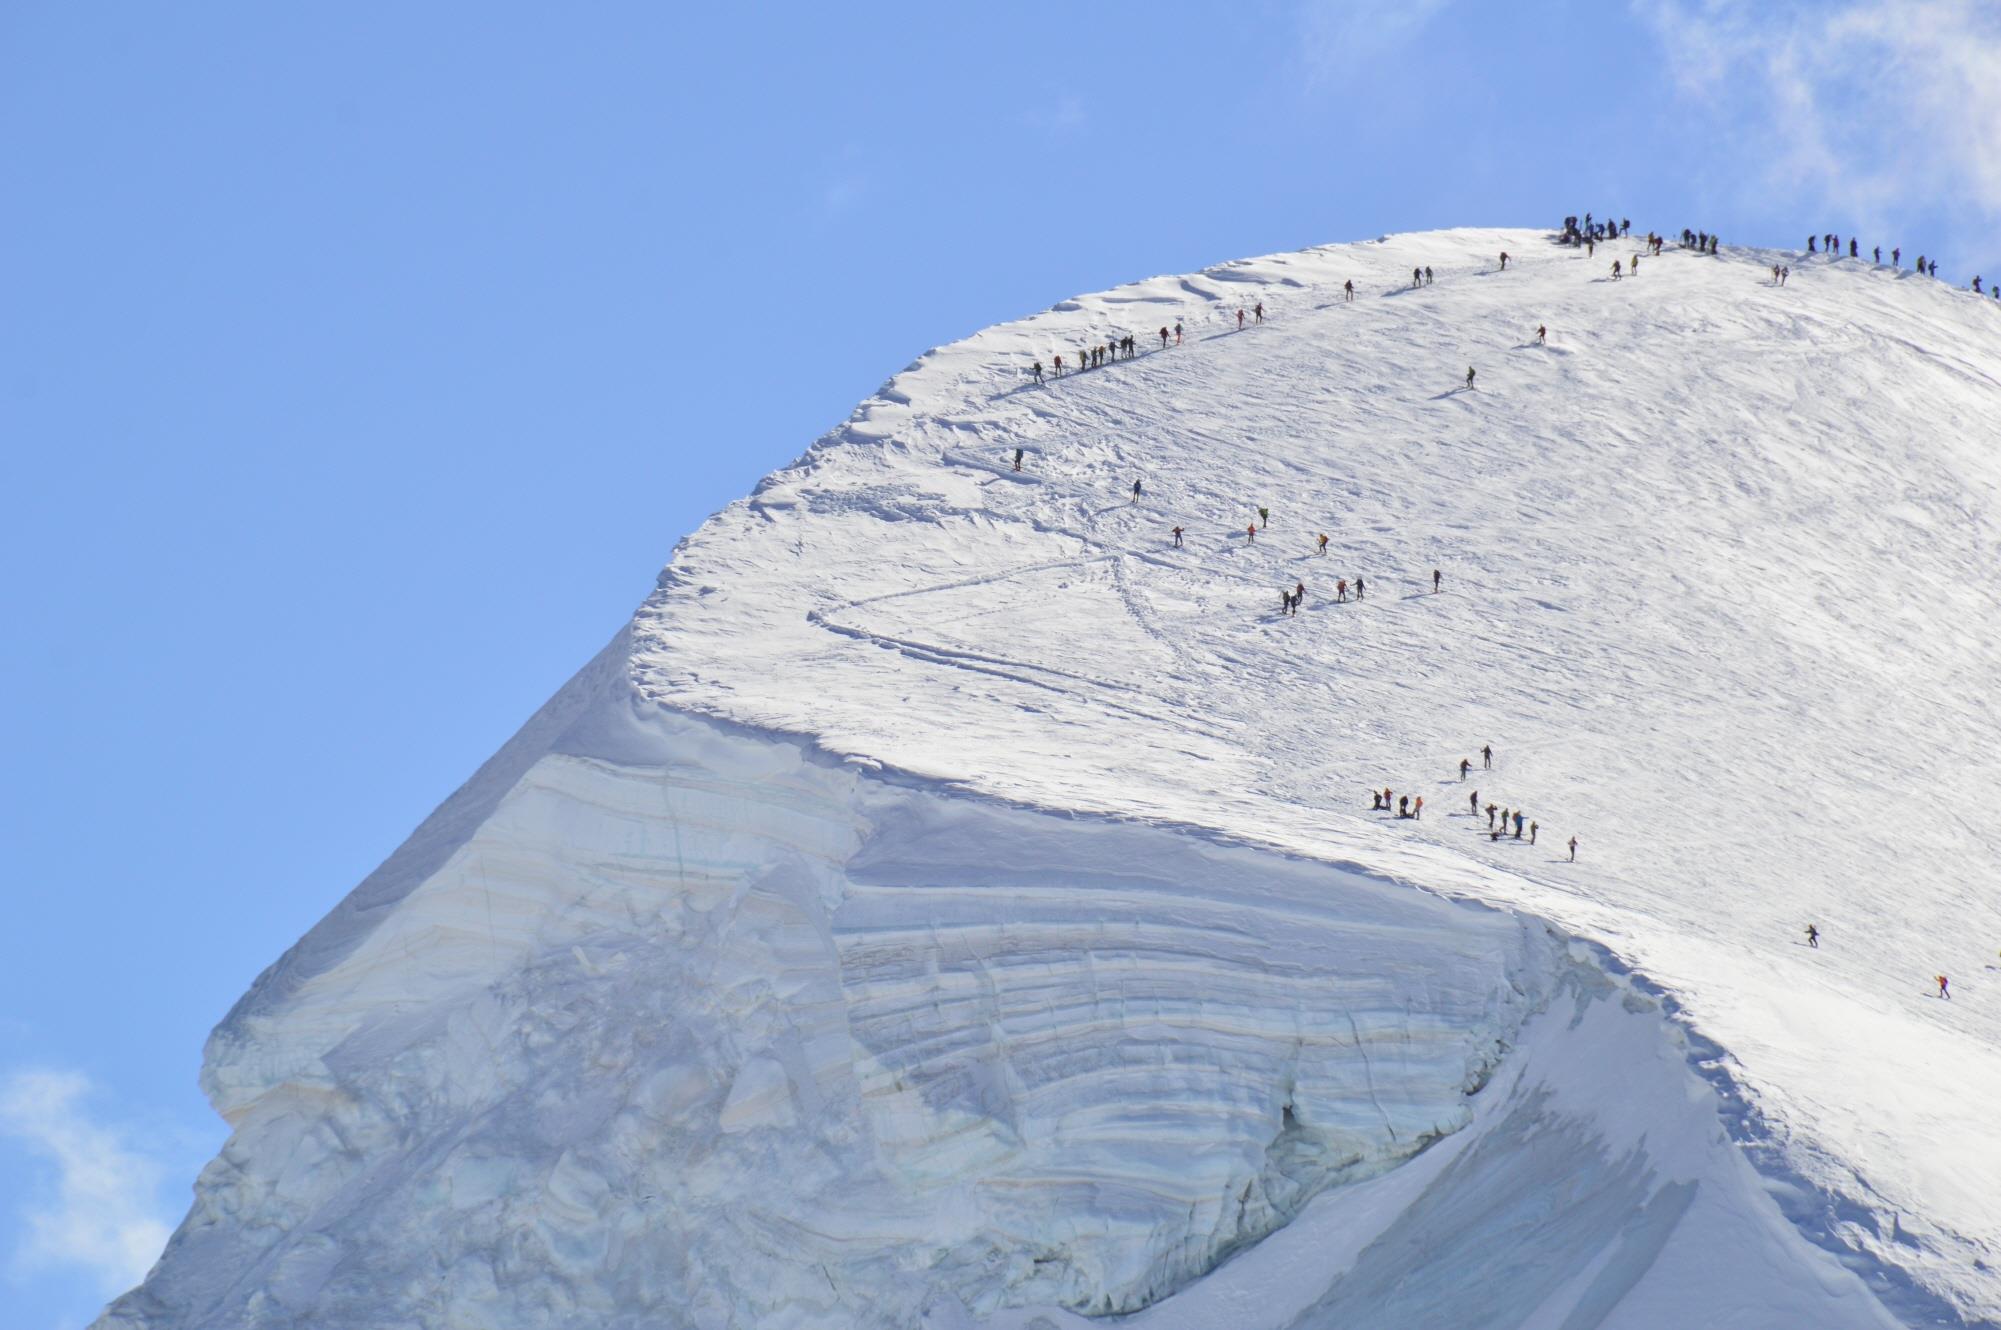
point(735, 1038)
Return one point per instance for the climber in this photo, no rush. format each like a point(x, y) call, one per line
point(1177, 537)
point(1487, 756)
point(1813, 937)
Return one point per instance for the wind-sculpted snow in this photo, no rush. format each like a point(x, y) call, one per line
point(950, 904)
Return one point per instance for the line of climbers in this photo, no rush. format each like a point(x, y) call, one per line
point(1510, 819)
point(1829, 243)
point(1501, 821)
point(1126, 347)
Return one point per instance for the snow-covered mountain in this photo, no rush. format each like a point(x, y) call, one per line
point(949, 903)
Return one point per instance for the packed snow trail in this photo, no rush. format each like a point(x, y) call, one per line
point(667, 1020)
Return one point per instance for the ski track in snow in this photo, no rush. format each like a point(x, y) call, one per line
point(712, 1000)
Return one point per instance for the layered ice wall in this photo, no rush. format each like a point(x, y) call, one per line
point(700, 1025)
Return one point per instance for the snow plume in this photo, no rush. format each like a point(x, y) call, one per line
point(1866, 106)
point(101, 1214)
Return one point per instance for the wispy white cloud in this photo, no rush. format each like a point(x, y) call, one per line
point(1336, 39)
point(99, 1210)
point(843, 182)
point(1065, 115)
point(1875, 110)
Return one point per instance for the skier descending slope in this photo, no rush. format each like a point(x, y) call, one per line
point(1469, 376)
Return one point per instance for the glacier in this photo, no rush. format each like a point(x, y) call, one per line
point(947, 904)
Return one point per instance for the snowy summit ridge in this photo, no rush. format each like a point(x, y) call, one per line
point(952, 903)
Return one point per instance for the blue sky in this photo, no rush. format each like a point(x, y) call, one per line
point(360, 366)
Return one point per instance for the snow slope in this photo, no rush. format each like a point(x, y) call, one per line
point(948, 903)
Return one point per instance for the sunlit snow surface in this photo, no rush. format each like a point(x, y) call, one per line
point(949, 904)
